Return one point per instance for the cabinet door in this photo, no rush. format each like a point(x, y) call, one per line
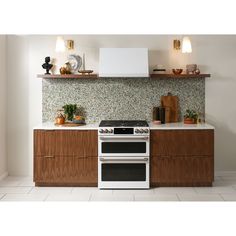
point(81, 143)
point(181, 171)
point(182, 143)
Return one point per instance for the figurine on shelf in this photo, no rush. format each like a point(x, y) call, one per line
point(47, 66)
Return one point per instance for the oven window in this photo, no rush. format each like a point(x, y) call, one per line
point(124, 147)
point(124, 172)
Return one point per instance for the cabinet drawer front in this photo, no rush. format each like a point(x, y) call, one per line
point(182, 142)
point(67, 169)
point(66, 143)
point(46, 168)
point(181, 170)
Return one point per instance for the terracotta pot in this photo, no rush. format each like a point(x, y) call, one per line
point(189, 121)
point(60, 120)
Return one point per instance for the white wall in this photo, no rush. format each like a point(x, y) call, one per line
point(3, 158)
point(213, 54)
point(18, 106)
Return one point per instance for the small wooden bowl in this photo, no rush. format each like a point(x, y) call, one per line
point(177, 71)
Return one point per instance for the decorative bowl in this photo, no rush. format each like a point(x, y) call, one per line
point(177, 71)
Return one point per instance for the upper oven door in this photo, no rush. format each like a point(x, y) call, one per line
point(123, 146)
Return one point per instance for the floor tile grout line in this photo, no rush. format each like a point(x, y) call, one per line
point(3, 196)
point(47, 195)
point(221, 197)
point(234, 188)
point(177, 195)
point(90, 197)
point(30, 190)
point(194, 189)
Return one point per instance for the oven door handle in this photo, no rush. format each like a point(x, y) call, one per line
point(119, 159)
point(123, 138)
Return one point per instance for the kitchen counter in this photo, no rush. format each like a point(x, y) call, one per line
point(94, 126)
point(51, 126)
point(179, 125)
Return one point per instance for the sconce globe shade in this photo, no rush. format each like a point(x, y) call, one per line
point(60, 45)
point(186, 45)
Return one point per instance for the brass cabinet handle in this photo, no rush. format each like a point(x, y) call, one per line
point(49, 156)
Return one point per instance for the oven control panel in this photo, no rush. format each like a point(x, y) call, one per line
point(123, 131)
point(106, 131)
point(141, 131)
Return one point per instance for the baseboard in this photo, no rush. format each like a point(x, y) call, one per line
point(224, 173)
point(4, 175)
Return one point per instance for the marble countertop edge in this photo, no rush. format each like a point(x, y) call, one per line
point(95, 126)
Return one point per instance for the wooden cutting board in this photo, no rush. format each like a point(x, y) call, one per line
point(172, 104)
point(69, 124)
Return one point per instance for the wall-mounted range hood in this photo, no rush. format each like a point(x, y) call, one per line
point(123, 62)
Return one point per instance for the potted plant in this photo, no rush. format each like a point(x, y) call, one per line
point(69, 110)
point(190, 117)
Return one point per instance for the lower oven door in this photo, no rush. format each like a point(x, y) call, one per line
point(123, 173)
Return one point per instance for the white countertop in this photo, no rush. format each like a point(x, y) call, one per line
point(94, 126)
point(50, 125)
point(179, 125)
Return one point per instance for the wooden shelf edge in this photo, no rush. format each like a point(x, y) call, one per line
point(69, 76)
point(95, 76)
point(181, 76)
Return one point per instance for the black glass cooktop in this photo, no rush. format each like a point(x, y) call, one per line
point(123, 123)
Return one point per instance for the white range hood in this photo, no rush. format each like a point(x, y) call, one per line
point(123, 62)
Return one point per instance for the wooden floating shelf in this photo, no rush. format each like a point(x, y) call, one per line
point(69, 76)
point(152, 76)
point(181, 76)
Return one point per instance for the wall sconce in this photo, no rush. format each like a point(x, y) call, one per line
point(70, 44)
point(61, 46)
point(186, 45)
point(176, 44)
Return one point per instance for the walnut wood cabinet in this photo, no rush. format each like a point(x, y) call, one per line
point(182, 157)
point(65, 157)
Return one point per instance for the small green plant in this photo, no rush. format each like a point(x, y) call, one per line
point(69, 110)
point(191, 114)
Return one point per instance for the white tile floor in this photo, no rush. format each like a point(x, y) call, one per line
point(14, 188)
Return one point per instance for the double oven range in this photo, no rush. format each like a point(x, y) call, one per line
point(123, 160)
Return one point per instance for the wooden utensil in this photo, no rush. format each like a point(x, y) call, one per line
point(172, 104)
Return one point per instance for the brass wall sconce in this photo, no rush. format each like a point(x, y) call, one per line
point(186, 45)
point(70, 44)
point(176, 44)
point(61, 45)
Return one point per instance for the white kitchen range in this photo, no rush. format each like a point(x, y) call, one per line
point(123, 154)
